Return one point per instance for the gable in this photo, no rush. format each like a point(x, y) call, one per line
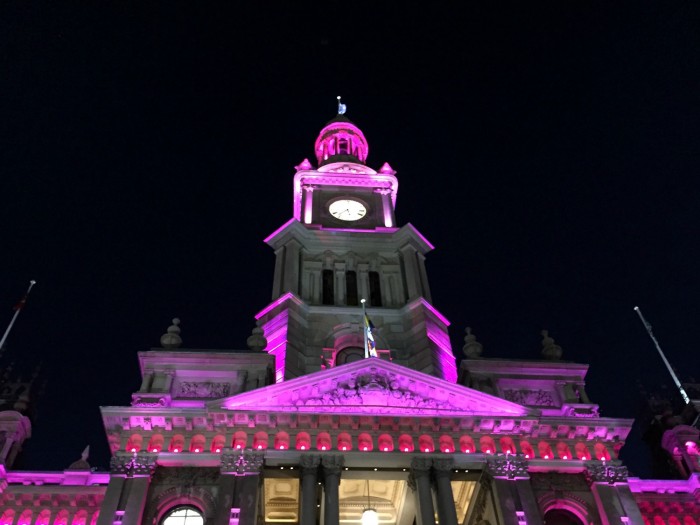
point(372, 386)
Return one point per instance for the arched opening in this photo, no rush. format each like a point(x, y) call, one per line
point(364, 442)
point(527, 449)
point(561, 517)
point(563, 451)
point(487, 445)
point(601, 452)
point(349, 355)
point(466, 444)
point(186, 515)
point(375, 291)
point(80, 518)
point(155, 444)
point(507, 445)
point(43, 517)
point(218, 443)
point(26, 518)
point(177, 443)
point(260, 441)
point(327, 287)
point(426, 444)
point(582, 452)
point(323, 441)
point(197, 443)
point(385, 443)
point(351, 288)
point(447, 444)
point(344, 441)
point(405, 443)
point(282, 441)
point(303, 441)
point(135, 443)
point(545, 450)
point(240, 439)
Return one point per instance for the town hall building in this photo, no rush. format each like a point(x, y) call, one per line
point(304, 428)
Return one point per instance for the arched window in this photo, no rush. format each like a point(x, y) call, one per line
point(328, 296)
point(375, 291)
point(349, 355)
point(351, 288)
point(183, 516)
point(561, 517)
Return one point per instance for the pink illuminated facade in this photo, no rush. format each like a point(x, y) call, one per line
point(302, 429)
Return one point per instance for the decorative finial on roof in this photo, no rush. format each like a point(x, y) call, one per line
point(472, 348)
point(82, 463)
point(305, 165)
point(342, 108)
point(171, 339)
point(550, 350)
point(387, 169)
point(256, 341)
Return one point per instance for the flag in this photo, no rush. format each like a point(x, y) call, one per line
point(371, 346)
point(21, 303)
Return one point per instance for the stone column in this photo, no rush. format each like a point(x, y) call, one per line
point(307, 216)
point(610, 489)
point(419, 481)
point(513, 490)
point(331, 480)
point(128, 488)
point(309, 478)
point(242, 490)
point(447, 514)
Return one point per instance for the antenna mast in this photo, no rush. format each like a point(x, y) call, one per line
point(684, 395)
point(18, 309)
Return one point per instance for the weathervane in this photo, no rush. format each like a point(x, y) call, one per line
point(18, 309)
point(342, 108)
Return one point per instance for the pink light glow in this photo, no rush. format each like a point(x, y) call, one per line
point(133, 450)
point(345, 448)
point(527, 456)
point(281, 447)
point(218, 450)
point(446, 451)
point(176, 450)
point(154, 450)
point(386, 449)
point(427, 450)
point(323, 447)
point(196, 450)
point(303, 447)
point(565, 457)
point(488, 451)
point(364, 448)
point(405, 449)
point(259, 447)
point(584, 458)
point(546, 456)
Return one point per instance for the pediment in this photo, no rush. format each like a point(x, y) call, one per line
point(372, 386)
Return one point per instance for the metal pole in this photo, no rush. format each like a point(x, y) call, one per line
point(18, 309)
point(684, 395)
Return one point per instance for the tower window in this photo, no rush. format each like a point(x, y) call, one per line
point(343, 147)
point(375, 292)
point(183, 516)
point(351, 288)
point(328, 287)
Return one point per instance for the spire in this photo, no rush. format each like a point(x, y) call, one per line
point(341, 140)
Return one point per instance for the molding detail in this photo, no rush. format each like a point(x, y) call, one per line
point(130, 465)
point(606, 472)
point(547, 481)
point(539, 398)
point(150, 400)
point(204, 390)
point(242, 463)
point(509, 466)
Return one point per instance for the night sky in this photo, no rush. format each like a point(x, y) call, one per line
point(549, 150)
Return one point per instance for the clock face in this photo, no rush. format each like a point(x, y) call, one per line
point(347, 209)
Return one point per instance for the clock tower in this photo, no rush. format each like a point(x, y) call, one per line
point(343, 245)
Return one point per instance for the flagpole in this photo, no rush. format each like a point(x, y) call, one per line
point(17, 311)
point(364, 327)
point(684, 395)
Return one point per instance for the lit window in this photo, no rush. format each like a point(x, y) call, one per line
point(183, 516)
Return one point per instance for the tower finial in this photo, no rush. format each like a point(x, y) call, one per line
point(342, 108)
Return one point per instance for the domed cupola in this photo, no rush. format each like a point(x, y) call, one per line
point(341, 140)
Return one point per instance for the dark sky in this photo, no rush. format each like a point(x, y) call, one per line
point(549, 150)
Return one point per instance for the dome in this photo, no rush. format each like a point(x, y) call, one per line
point(341, 140)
